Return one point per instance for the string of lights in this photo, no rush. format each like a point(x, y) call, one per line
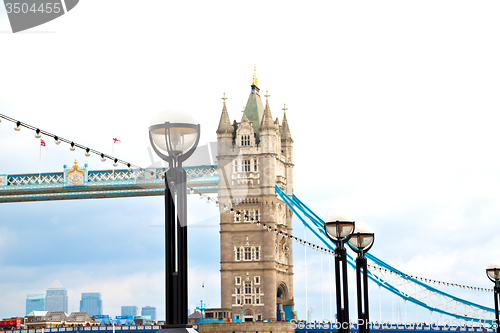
point(89, 151)
point(426, 280)
point(72, 145)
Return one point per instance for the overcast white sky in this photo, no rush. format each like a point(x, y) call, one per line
point(393, 106)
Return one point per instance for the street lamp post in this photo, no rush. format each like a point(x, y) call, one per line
point(361, 242)
point(339, 229)
point(176, 134)
point(493, 273)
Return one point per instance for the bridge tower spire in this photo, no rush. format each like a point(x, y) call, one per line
point(256, 265)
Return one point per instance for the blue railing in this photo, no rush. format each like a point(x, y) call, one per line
point(88, 329)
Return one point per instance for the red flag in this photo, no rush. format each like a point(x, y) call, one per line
point(115, 140)
point(42, 143)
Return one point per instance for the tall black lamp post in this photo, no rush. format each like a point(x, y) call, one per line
point(174, 137)
point(361, 242)
point(339, 229)
point(493, 273)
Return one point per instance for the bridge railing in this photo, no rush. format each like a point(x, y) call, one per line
point(130, 328)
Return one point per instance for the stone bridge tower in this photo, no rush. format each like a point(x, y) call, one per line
point(256, 265)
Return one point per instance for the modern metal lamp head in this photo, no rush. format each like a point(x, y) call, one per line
point(362, 238)
point(339, 228)
point(176, 133)
point(493, 271)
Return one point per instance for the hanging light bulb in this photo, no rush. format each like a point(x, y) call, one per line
point(258, 222)
point(18, 126)
point(191, 190)
point(72, 146)
point(56, 140)
point(216, 204)
point(208, 199)
point(238, 214)
point(231, 210)
point(115, 164)
point(38, 135)
point(129, 167)
point(201, 196)
point(103, 158)
point(87, 152)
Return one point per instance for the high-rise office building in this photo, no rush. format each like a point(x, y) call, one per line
point(56, 298)
point(149, 311)
point(91, 303)
point(35, 302)
point(129, 311)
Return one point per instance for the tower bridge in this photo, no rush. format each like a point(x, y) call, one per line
point(254, 173)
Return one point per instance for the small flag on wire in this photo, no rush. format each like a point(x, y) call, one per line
point(115, 140)
point(203, 285)
point(42, 143)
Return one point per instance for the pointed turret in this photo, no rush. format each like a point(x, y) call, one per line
point(254, 109)
point(285, 130)
point(224, 123)
point(267, 118)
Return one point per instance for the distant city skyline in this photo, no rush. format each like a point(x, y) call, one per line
point(35, 302)
point(56, 298)
point(149, 311)
point(92, 304)
point(129, 310)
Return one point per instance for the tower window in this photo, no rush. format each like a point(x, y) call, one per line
point(248, 253)
point(238, 253)
point(248, 288)
point(257, 280)
point(245, 166)
point(238, 280)
point(245, 140)
point(257, 252)
point(256, 215)
point(235, 166)
point(257, 290)
point(238, 291)
point(248, 301)
point(255, 165)
point(257, 301)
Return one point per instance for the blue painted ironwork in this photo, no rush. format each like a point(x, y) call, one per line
point(100, 184)
point(472, 312)
point(89, 329)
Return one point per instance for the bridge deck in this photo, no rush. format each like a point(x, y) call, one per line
point(99, 184)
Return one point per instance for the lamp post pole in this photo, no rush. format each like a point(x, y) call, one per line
point(179, 140)
point(361, 242)
point(493, 273)
point(339, 229)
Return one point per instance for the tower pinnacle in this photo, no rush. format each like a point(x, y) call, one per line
point(267, 96)
point(255, 82)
